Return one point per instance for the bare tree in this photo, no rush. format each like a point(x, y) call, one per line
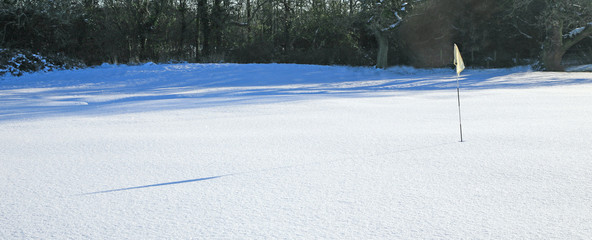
point(383, 16)
point(564, 23)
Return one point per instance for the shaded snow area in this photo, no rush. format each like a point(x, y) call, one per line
point(580, 68)
point(194, 151)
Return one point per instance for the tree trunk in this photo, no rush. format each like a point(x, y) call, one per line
point(553, 49)
point(287, 25)
point(216, 30)
point(248, 21)
point(196, 40)
point(182, 11)
point(205, 26)
point(552, 59)
point(382, 40)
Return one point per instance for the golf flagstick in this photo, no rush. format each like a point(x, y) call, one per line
point(460, 66)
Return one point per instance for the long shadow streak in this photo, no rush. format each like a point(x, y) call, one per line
point(154, 185)
point(261, 170)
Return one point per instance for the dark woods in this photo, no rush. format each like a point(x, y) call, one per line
point(490, 33)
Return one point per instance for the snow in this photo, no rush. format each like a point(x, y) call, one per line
point(392, 26)
point(577, 31)
point(228, 151)
point(580, 68)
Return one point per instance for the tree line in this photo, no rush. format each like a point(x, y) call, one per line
point(490, 33)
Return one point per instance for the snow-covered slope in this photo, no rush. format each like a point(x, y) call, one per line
point(295, 151)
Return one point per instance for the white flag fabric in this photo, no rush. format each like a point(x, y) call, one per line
point(458, 61)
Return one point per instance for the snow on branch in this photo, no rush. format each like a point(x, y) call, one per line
point(391, 26)
point(394, 25)
point(398, 17)
point(577, 31)
point(524, 34)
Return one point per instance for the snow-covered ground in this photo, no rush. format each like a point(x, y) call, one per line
point(581, 68)
point(229, 151)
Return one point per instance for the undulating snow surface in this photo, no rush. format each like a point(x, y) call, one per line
point(228, 151)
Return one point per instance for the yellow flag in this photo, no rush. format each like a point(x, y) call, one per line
point(458, 61)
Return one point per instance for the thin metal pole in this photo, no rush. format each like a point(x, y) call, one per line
point(458, 97)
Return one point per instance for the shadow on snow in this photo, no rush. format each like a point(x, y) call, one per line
point(152, 185)
point(127, 89)
point(337, 160)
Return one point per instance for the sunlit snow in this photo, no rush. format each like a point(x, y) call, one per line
point(260, 151)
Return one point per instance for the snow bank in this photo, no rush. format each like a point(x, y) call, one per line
point(18, 62)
